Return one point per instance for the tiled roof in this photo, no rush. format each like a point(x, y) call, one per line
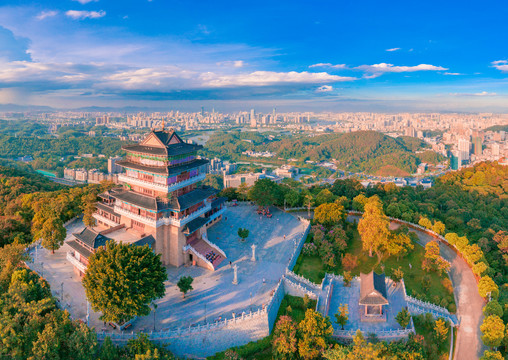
point(194, 225)
point(146, 240)
point(106, 208)
point(185, 201)
point(373, 289)
point(79, 248)
point(169, 150)
point(91, 238)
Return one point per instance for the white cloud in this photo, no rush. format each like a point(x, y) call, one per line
point(83, 2)
point(483, 93)
point(83, 14)
point(385, 68)
point(393, 49)
point(235, 63)
point(501, 65)
point(267, 78)
point(328, 65)
point(46, 14)
point(324, 88)
point(452, 74)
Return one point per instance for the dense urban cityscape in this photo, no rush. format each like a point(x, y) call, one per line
point(229, 180)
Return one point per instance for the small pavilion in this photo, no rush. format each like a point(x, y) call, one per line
point(373, 296)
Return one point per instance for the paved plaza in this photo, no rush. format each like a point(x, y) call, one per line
point(214, 296)
point(351, 295)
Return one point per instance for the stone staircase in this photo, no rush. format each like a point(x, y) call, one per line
point(213, 255)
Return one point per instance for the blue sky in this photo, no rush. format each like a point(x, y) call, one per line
point(295, 55)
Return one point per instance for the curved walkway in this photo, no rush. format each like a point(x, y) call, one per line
point(468, 344)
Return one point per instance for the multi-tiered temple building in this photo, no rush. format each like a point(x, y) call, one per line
point(158, 204)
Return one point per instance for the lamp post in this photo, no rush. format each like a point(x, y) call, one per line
point(61, 294)
point(205, 315)
point(154, 309)
point(42, 269)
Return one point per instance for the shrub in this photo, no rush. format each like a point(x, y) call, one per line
point(309, 249)
point(447, 283)
point(452, 308)
point(349, 262)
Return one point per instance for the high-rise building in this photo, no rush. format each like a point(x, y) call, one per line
point(464, 147)
point(253, 122)
point(477, 145)
point(159, 204)
point(113, 167)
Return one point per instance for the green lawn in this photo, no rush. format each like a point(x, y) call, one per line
point(262, 349)
point(312, 268)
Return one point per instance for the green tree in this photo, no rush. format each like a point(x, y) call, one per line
point(329, 214)
point(397, 274)
point(359, 202)
point(122, 280)
point(89, 205)
point(292, 198)
point(374, 227)
point(492, 330)
point(480, 268)
point(243, 233)
point(285, 341)
point(438, 227)
point(347, 278)
point(492, 355)
point(308, 201)
point(487, 286)
point(403, 318)
point(52, 233)
point(398, 245)
point(493, 308)
point(108, 350)
point(324, 196)
point(185, 285)
point(342, 317)
point(243, 191)
point(441, 330)
point(432, 260)
point(315, 331)
point(426, 223)
point(265, 192)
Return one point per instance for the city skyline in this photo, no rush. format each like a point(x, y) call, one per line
point(290, 55)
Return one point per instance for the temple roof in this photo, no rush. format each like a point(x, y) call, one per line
point(164, 170)
point(76, 246)
point(107, 208)
point(91, 238)
point(144, 241)
point(194, 225)
point(373, 289)
point(163, 142)
point(179, 203)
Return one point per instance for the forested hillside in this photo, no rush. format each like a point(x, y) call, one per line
point(362, 151)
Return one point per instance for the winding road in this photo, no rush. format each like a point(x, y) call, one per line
point(468, 345)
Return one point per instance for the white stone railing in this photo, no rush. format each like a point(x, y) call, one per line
point(205, 239)
point(198, 254)
point(143, 219)
point(427, 305)
point(305, 290)
point(186, 219)
point(379, 333)
point(161, 187)
point(303, 280)
point(72, 259)
point(105, 220)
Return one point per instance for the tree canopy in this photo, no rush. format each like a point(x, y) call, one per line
point(122, 280)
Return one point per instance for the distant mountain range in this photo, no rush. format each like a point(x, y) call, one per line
point(125, 109)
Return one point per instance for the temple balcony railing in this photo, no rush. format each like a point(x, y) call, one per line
point(161, 187)
point(105, 220)
point(182, 221)
point(142, 219)
point(78, 264)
